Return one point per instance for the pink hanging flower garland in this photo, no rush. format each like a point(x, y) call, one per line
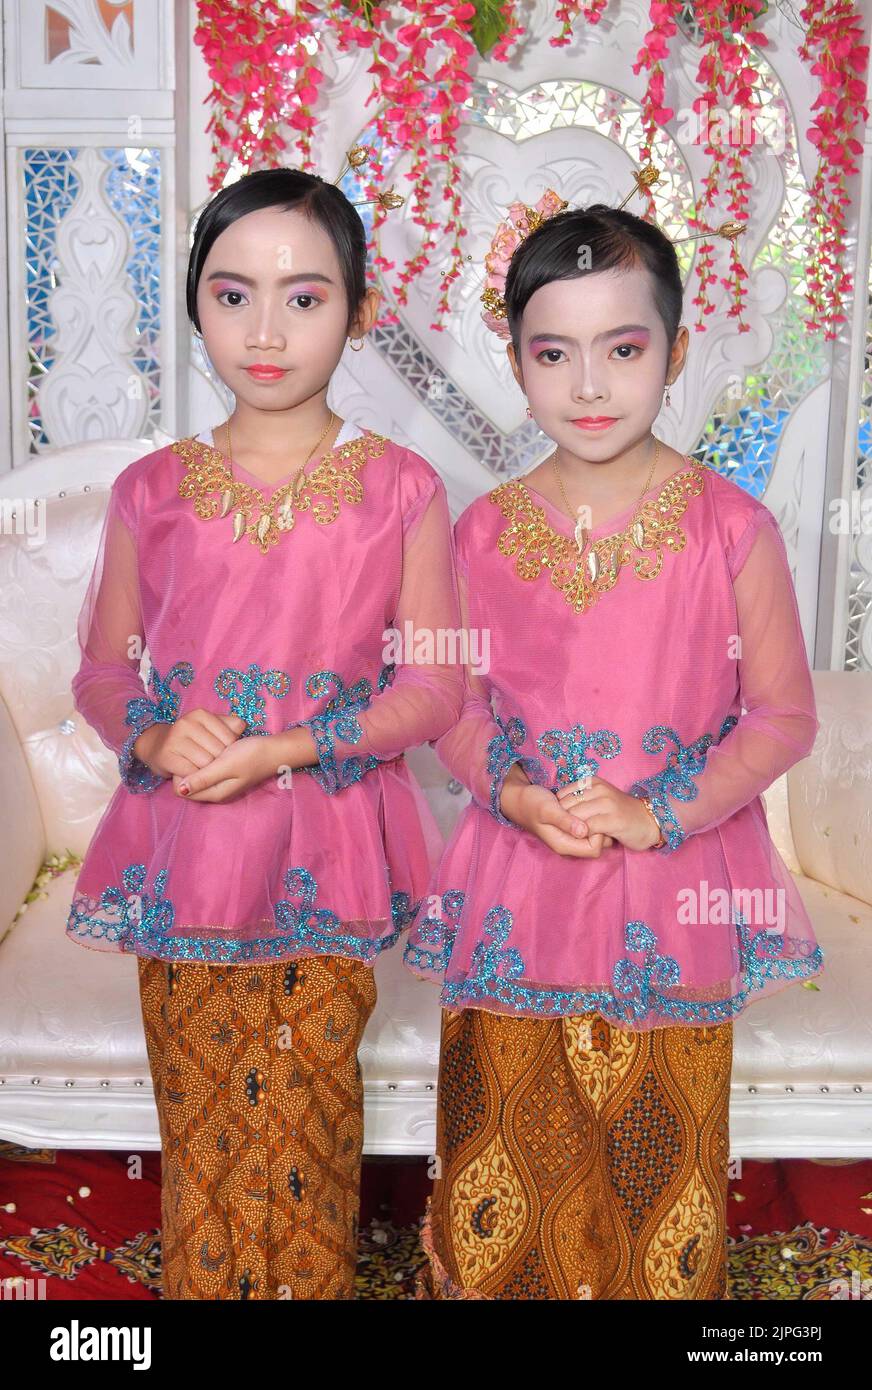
point(570, 11)
point(833, 41)
point(512, 33)
point(421, 78)
point(263, 77)
point(263, 61)
point(652, 56)
point(729, 80)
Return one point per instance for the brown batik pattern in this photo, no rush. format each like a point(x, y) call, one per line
point(579, 1160)
point(260, 1100)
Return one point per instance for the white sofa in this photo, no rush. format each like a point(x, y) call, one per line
point(73, 1065)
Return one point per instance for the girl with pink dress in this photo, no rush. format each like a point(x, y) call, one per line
point(610, 900)
point(267, 841)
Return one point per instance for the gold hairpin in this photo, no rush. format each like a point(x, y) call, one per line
point(647, 176)
point(644, 178)
point(386, 198)
point(728, 230)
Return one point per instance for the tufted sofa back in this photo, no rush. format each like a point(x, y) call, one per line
point(55, 774)
point(830, 793)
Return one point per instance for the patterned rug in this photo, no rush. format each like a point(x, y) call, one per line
point(86, 1222)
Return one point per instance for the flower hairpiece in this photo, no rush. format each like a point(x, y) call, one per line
point(523, 220)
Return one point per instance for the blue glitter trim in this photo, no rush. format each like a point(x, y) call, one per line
point(502, 752)
point(338, 720)
point(572, 750)
point(683, 763)
point(638, 986)
point(139, 921)
point(142, 713)
point(438, 933)
point(239, 689)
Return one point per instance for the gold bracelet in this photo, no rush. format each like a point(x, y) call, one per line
point(646, 801)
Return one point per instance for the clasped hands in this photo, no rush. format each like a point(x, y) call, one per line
point(208, 759)
point(581, 829)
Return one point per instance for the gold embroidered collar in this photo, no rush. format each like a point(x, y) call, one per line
point(216, 492)
point(580, 578)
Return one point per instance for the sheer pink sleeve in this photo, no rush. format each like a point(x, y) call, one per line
point(107, 688)
point(419, 699)
point(706, 782)
point(479, 750)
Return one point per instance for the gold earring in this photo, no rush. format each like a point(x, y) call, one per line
point(359, 344)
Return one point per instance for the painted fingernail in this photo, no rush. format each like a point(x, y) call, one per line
point(184, 789)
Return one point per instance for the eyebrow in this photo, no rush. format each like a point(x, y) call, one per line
point(287, 279)
point(610, 333)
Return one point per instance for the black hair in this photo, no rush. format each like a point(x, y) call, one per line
point(612, 238)
point(287, 189)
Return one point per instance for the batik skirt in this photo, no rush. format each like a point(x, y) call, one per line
point(576, 1160)
point(260, 1101)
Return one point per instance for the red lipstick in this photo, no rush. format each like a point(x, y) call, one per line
point(595, 422)
point(265, 371)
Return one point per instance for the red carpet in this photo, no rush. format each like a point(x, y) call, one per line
point(87, 1223)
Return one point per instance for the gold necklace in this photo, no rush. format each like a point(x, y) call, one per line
point(285, 512)
point(634, 528)
point(334, 479)
point(536, 546)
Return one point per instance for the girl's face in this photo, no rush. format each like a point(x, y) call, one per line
point(271, 296)
point(594, 347)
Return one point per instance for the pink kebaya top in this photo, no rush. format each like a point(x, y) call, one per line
point(638, 676)
point(283, 626)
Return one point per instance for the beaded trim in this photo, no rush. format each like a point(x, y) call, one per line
point(141, 714)
point(683, 763)
point(338, 719)
point(536, 545)
point(638, 991)
point(502, 752)
point(239, 689)
point(138, 921)
point(572, 751)
point(207, 478)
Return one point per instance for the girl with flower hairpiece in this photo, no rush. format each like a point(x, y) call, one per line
point(611, 899)
point(267, 841)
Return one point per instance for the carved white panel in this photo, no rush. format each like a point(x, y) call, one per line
point(89, 86)
point(82, 44)
point(92, 390)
